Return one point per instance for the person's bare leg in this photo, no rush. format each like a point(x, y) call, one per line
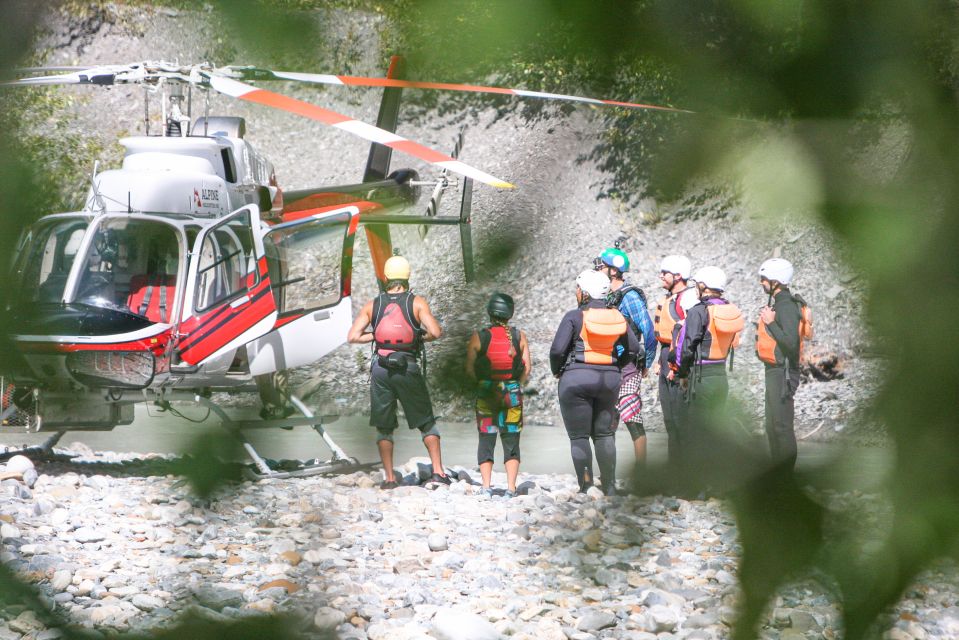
point(386, 455)
point(512, 471)
point(486, 471)
point(639, 445)
point(433, 449)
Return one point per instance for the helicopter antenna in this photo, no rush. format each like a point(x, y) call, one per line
point(206, 114)
point(163, 114)
point(146, 108)
point(129, 203)
point(95, 203)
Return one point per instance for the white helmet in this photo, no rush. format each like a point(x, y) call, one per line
point(679, 265)
point(777, 269)
point(397, 268)
point(712, 278)
point(688, 299)
point(595, 284)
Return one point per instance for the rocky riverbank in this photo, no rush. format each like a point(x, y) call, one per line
point(118, 552)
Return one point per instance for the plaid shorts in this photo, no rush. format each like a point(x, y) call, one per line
point(630, 404)
point(499, 406)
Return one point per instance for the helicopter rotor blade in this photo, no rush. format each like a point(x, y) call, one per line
point(252, 73)
point(366, 131)
point(96, 75)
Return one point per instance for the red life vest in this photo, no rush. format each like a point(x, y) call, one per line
point(602, 328)
point(500, 356)
point(766, 344)
point(394, 325)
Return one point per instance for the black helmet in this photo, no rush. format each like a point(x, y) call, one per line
point(500, 306)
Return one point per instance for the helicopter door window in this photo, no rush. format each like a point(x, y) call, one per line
point(227, 263)
point(229, 168)
point(45, 256)
point(129, 261)
point(306, 263)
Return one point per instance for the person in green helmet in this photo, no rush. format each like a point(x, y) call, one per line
point(630, 300)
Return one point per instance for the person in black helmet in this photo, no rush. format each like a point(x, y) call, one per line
point(497, 357)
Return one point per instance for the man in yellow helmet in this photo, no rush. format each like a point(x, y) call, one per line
point(400, 322)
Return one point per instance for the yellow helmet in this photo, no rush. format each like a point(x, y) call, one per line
point(397, 268)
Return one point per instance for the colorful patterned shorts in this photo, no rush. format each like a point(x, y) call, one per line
point(630, 404)
point(499, 406)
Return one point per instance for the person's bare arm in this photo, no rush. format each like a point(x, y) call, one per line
point(472, 350)
point(527, 359)
point(421, 309)
point(358, 333)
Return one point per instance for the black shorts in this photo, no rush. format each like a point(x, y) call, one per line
point(409, 387)
point(487, 445)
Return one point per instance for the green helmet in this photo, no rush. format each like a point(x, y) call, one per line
point(615, 258)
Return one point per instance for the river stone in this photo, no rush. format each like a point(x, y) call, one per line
point(19, 464)
point(549, 629)
point(30, 477)
point(437, 542)
point(327, 618)
point(217, 597)
point(449, 624)
point(61, 580)
point(87, 535)
point(26, 622)
point(596, 620)
point(146, 602)
point(9, 532)
point(662, 618)
point(803, 621)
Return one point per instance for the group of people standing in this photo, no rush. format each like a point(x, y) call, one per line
point(601, 352)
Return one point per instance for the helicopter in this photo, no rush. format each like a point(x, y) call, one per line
point(190, 271)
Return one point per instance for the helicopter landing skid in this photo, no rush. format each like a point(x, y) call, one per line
point(338, 464)
point(41, 451)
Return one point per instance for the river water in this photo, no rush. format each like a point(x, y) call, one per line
point(545, 449)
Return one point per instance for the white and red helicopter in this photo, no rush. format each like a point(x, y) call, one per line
point(190, 271)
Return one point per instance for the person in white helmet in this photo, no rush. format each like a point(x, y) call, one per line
point(400, 322)
point(674, 272)
point(778, 344)
point(711, 330)
point(591, 345)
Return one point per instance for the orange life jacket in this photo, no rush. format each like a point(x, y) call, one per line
point(601, 329)
point(766, 344)
point(725, 326)
point(668, 313)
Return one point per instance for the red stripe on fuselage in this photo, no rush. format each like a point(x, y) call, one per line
point(156, 344)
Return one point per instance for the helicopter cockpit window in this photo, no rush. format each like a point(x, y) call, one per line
point(132, 266)
point(227, 265)
point(43, 261)
point(306, 263)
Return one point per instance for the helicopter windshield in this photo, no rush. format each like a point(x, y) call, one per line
point(131, 266)
point(44, 258)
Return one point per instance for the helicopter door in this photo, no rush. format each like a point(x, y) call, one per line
point(229, 301)
point(310, 265)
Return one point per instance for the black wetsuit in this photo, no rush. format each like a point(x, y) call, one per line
point(588, 394)
point(706, 393)
point(782, 380)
